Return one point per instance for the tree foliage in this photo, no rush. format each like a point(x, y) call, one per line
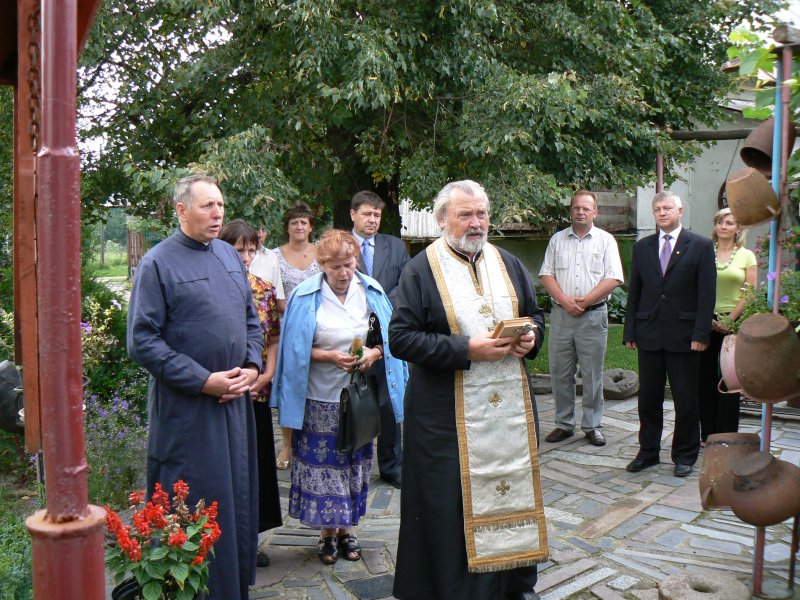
point(314, 99)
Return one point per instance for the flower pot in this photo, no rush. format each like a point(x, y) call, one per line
point(767, 358)
point(127, 590)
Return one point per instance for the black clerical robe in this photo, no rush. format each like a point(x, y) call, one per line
point(432, 556)
point(191, 313)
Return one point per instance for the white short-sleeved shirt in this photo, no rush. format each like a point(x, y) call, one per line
point(265, 266)
point(579, 264)
point(337, 325)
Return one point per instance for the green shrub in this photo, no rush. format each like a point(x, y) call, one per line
point(543, 299)
point(116, 444)
point(616, 305)
point(16, 581)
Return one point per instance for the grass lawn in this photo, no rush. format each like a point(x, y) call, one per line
point(108, 270)
point(116, 265)
point(618, 356)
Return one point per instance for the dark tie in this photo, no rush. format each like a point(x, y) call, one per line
point(666, 252)
point(366, 253)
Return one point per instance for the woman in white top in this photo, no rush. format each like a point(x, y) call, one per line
point(323, 318)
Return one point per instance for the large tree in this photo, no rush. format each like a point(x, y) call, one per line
point(315, 99)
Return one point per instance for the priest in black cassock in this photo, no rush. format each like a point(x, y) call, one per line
point(192, 324)
point(472, 518)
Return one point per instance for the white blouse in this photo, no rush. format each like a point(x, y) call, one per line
point(337, 325)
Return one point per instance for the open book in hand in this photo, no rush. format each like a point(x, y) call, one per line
point(513, 327)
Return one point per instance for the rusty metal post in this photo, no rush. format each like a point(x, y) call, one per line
point(67, 535)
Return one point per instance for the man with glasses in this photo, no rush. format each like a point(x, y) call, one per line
point(581, 268)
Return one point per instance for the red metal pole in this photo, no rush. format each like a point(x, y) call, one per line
point(68, 535)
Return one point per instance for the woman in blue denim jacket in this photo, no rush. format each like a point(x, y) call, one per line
point(324, 316)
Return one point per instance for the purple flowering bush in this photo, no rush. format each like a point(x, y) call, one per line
point(116, 443)
point(756, 298)
point(791, 250)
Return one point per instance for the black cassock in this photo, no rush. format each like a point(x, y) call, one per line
point(432, 555)
point(191, 313)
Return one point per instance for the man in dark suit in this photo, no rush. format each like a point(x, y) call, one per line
point(668, 319)
point(383, 257)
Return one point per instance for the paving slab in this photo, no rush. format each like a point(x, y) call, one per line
point(612, 534)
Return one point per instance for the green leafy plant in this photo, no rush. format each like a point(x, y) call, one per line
point(166, 547)
point(543, 299)
point(116, 445)
point(790, 246)
point(16, 581)
point(756, 300)
point(616, 305)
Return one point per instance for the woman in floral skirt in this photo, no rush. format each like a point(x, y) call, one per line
point(324, 316)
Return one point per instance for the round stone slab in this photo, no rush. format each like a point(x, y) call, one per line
point(698, 586)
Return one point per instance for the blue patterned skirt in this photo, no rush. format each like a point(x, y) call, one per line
point(329, 489)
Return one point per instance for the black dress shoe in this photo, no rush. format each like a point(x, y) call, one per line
point(395, 482)
point(640, 464)
point(595, 438)
point(262, 560)
point(523, 596)
point(682, 470)
point(558, 435)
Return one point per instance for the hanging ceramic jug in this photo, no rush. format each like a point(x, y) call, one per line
point(727, 366)
point(716, 475)
point(751, 197)
point(767, 358)
point(766, 491)
point(756, 151)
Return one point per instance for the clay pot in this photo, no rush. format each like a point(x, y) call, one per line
point(751, 198)
point(756, 151)
point(766, 491)
point(716, 475)
point(767, 358)
point(727, 366)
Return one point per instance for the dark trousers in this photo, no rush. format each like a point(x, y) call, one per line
point(719, 411)
point(682, 370)
point(390, 448)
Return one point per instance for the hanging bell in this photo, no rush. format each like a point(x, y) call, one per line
point(757, 149)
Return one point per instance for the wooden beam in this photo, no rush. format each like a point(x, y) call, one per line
point(786, 34)
point(25, 282)
point(710, 136)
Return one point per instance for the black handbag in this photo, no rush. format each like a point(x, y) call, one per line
point(359, 415)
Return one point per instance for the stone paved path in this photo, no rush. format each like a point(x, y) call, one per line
point(613, 535)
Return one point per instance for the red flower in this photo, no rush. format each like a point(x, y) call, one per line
point(128, 544)
point(161, 498)
point(136, 498)
point(181, 489)
point(177, 539)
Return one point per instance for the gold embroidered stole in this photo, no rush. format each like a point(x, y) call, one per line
point(504, 521)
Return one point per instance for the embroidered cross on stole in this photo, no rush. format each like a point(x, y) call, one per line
point(504, 521)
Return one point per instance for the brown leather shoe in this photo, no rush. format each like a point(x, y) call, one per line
point(558, 435)
point(595, 438)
